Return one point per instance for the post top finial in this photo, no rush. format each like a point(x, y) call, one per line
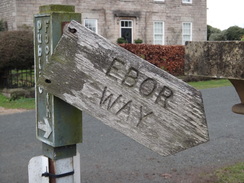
point(57, 8)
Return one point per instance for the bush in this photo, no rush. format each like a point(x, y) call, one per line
point(138, 41)
point(121, 40)
point(169, 58)
point(212, 30)
point(16, 50)
point(217, 36)
point(234, 33)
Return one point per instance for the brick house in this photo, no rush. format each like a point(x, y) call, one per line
point(166, 22)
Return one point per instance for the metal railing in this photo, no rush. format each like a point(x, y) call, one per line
point(18, 78)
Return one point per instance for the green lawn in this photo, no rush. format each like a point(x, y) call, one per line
point(210, 84)
point(229, 174)
point(22, 103)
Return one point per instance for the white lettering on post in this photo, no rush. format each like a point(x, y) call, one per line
point(43, 54)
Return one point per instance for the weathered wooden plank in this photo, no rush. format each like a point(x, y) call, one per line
point(215, 59)
point(125, 92)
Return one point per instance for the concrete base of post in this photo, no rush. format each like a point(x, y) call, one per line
point(61, 170)
point(42, 169)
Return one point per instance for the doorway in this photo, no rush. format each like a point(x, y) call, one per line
point(126, 30)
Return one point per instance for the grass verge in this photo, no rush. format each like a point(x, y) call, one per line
point(229, 174)
point(210, 84)
point(22, 103)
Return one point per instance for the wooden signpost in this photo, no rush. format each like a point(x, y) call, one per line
point(125, 92)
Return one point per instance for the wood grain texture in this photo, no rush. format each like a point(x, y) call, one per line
point(125, 92)
point(215, 59)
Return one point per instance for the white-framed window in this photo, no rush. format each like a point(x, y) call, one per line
point(126, 23)
point(187, 1)
point(186, 32)
point(158, 32)
point(91, 24)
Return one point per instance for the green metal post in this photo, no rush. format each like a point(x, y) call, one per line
point(58, 124)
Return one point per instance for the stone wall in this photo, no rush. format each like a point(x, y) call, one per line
point(8, 13)
point(109, 13)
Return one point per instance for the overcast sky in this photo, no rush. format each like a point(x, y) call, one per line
point(223, 14)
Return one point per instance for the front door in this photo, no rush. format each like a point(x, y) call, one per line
point(126, 34)
point(126, 30)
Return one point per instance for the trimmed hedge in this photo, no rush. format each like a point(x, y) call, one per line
point(16, 50)
point(169, 58)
